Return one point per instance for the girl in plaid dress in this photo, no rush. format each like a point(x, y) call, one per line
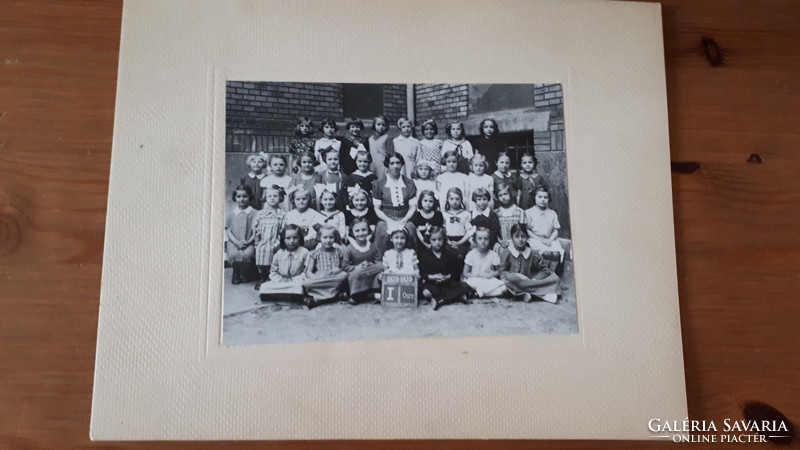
point(430, 147)
point(324, 270)
point(523, 271)
point(508, 214)
point(267, 225)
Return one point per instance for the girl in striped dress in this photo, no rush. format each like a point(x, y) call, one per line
point(267, 226)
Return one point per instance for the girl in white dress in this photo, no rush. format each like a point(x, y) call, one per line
point(482, 267)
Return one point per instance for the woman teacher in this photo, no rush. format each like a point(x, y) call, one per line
point(395, 200)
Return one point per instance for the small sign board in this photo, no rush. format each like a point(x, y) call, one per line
point(399, 290)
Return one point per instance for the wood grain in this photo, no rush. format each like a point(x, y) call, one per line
point(736, 222)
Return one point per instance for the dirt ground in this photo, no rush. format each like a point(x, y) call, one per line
point(247, 321)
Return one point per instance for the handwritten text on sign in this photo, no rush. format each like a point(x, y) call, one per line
point(399, 290)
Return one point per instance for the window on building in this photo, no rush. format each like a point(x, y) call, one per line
point(485, 98)
point(362, 100)
point(518, 143)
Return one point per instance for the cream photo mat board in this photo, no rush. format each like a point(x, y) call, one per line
point(161, 372)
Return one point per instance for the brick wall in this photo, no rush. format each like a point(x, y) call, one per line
point(550, 97)
point(395, 102)
point(262, 116)
point(442, 102)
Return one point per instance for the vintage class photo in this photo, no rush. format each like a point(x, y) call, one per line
point(395, 211)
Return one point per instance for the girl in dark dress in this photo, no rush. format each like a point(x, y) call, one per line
point(489, 144)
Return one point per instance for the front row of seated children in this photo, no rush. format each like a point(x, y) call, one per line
point(330, 273)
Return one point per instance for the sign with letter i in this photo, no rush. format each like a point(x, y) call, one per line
point(399, 290)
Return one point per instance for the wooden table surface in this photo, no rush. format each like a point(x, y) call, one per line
point(733, 82)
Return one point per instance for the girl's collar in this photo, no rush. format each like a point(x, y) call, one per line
point(360, 248)
point(357, 213)
point(430, 214)
point(259, 176)
point(525, 252)
point(363, 174)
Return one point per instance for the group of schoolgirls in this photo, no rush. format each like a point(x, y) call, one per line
point(307, 224)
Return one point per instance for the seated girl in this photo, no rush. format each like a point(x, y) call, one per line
point(543, 228)
point(440, 271)
point(324, 270)
point(481, 267)
point(362, 261)
point(522, 271)
point(287, 272)
point(400, 260)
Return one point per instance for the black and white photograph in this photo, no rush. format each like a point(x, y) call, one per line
point(395, 211)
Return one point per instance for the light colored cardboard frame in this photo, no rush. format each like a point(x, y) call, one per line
point(161, 372)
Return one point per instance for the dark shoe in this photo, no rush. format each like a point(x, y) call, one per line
point(257, 286)
point(236, 280)
point(310, 302)
point(436, 303)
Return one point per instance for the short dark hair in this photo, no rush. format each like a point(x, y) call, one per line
point(328, 121)
point(481, 192)
point(518, 228)
point(355, 121)
point(436, 229)
point(389, 157)
point(241, 187)
point(293, 227)
point(535, 161)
